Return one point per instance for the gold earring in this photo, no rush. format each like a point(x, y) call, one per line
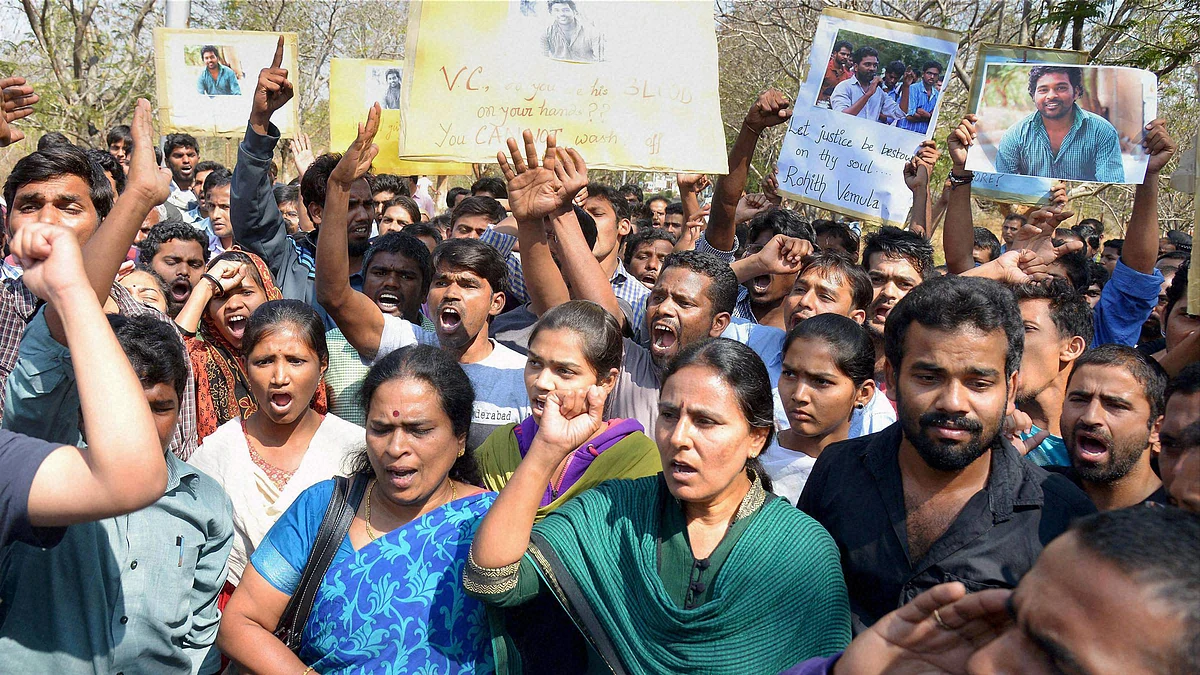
point(462, 451)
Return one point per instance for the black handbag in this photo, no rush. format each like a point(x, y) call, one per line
point(334, 526)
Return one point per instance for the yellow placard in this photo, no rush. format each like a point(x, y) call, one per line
point(357, 84)
point(191, 100)
point(631, 85)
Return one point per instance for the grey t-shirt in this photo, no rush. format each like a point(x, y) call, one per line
point(636, 393)
point(499, 379)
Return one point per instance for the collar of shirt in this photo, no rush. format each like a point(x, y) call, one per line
point(179, 473)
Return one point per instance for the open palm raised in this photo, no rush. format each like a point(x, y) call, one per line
point(534, 191)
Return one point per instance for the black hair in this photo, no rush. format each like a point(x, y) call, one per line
point(837, 46)
point(491, 185)
point(414, 211)
point(209, 48)
point(474, 256)
point(453, 194)
point(1067, 234)
point(862, 53)
point(851, 344)
point(406, 245)
point(1075, 264)
point(393, 71)
point(835, 264)
point(632, 189)
point(455, 394)
point(316, 179)
point(53, 138)
point(1158, 549)
point(241, 257)
point(220, 177)
point(894, 242)
point(674, 208)
point(1095, 223)
point(61, 160)
point(110, 164)
point(208, 165)
point(895, 68)
point(121, 132)
point(153, 349)
point(423, 229)
point(386, 182)
point(620, 206)
point(297, 314)
point(168, 230)
point(1074, 76)
point(746, 375)
point(179, 141)
point(656, 198)
point(649, 234)
point(282, 193)
point(1181, 240)
point(932, 64)
point(986, 240)
point(778, 220)
point(599, 333)
point(1187, 382)
point(1142, 367)
point(850, 241)
point(1068, 309)
point(1174, 255)
point(1088, 234)
point(1118, 244)
point(951, 302)
point(722, 292)
point(478, 206)
point(1017, 217)
point(1097, 274)
point(551, 3)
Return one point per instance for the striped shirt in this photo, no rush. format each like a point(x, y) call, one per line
point(1091, 150)
point(918, 98)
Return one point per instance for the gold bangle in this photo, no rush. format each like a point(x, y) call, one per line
point(307, 670)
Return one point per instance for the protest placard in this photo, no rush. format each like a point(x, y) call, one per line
point(205, 79)
point(357, 84)
point(1077, 123)
point(1009, 187)
point(477, 73)
point(871, 96)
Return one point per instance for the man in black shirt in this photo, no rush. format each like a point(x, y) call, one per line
point(1112, 411)
point(941, 495)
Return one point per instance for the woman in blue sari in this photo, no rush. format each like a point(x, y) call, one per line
point(391, 600)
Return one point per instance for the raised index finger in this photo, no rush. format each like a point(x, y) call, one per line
point(278, 60)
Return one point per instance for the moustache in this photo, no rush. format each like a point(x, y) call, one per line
point(934, 419)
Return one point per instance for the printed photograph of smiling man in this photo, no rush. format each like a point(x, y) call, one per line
point(1078, 123)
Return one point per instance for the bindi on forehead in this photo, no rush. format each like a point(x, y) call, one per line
point(395, 413)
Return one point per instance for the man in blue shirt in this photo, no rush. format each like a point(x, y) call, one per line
point(216, 79)
point(1060, 139)
point(922, 99)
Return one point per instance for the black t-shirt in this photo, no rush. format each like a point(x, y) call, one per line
point(20, 457)
point(1159, 496)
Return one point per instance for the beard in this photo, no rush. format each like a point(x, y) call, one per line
point(1122, 457)
point(942, 455)
point(357, 249)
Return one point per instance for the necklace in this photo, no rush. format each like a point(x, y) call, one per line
point(371, 488)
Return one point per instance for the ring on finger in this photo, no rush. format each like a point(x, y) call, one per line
point(937, 616)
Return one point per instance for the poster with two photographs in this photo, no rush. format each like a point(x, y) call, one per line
point(872, 94)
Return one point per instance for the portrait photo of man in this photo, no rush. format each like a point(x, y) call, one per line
point(837, 70)
point(391, 99)
point(217, 79)
point(862, 95)
point(569, 37)
point(1060, 139)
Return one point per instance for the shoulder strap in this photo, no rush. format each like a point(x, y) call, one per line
point(334, 526)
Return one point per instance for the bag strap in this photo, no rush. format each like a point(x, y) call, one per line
point(334, 526)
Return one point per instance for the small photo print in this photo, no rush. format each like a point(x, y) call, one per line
point(566, 29)
point(1077, 123)
point(883, 81)
point(219, 71)
point(383, 85)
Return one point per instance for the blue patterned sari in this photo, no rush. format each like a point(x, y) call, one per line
point(395, 606)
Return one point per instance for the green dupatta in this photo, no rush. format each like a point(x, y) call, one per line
point(634, 456)
point(779, 598)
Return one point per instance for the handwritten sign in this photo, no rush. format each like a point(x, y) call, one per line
point(631, 85)
point(205, 79)
point(1009, 187)
point(357, 84)
point(850, 136)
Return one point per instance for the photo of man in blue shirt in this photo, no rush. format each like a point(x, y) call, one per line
point(216, 79)
point(1060, 139)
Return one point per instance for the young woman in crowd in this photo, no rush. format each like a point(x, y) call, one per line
point(392, 599)
point(214, 320)
point(284, 447)
point(699, 564)
point(828, 366)
point(574, 346)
